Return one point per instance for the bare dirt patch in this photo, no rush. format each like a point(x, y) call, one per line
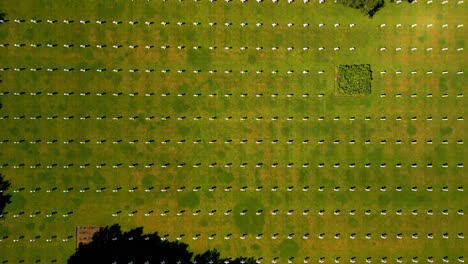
point(84, 234)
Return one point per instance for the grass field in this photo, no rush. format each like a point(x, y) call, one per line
point(261, 97)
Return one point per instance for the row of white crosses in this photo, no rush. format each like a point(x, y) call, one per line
point(424, 72)
point(216, 141)
point(135, 70)
point(444, 2)
point(322, 236)
point(306, 260)
point(275, 236)
point(36, 238)
point(179, 23)
point(385, 259)
point(230, 188)
point(212, 95)
point(276, 260)
point(306, 236)
point(225, 165)
point(428, 2)
point(213, 118)
point(180, 71)
point(182, 47)
point(35, 214)
point(319, 1)
point(415, 49)
point(164, 47)
point(228, 24)
point(414, 25)
point(413, 95)
point(290, 212)
point(258, 212)
point(99, 190)
point(257, 24)
point(69, 21)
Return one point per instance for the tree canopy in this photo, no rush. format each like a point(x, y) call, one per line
point(368, 7)
point(4, 198)
point(111, 245)
point(215, 257)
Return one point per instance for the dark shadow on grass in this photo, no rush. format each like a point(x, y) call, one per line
point(111, 245)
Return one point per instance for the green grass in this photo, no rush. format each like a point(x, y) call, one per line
point(96, 209)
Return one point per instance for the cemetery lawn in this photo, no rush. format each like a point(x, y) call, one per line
point(91, 208)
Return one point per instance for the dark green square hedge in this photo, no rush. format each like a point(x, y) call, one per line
point(354, 79)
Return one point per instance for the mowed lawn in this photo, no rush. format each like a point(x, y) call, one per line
point(234, 130)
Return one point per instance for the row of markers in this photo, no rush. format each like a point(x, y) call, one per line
point(241, 212)
point(289, 212)
point(230, 188)
point(213, 165)
point(103, 70)
point(183, 47)
point(213, 95)
point(212, 118)
point(211, 24)
point(37, 238)
point(198, 141)
point(258, 237)
point(276, 260)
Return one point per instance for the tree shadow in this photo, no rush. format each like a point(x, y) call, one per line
point(111, 245)
point(5, 199)
point(367, 7)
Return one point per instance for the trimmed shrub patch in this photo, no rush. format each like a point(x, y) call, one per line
point(354, 79)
